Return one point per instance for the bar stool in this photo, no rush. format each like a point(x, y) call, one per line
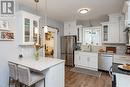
point(28, 78)
point(13, 73)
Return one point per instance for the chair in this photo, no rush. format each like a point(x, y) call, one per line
point(13, 73)
point(29, 78)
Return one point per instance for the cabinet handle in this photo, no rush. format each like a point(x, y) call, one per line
point(79, 57)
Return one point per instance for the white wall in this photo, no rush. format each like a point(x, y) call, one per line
point(8, 49)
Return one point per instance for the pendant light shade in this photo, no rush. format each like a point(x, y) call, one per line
point(36, 29)
point(45, 26)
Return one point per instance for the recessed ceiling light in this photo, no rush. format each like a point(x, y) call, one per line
point(83, 10)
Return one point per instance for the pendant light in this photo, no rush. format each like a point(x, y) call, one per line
point(36, 30)
point(45, 26)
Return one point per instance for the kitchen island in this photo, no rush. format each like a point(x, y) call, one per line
point(52, 68)
point(122, 77)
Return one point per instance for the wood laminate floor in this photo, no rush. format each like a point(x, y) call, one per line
point(73, 79)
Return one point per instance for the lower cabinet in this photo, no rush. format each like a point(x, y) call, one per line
point(86, 60)
point(122, 80)
point(122, 59)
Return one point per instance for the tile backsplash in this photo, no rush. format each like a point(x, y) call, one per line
point(120, 49)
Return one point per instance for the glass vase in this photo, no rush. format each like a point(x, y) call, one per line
point(37, 54)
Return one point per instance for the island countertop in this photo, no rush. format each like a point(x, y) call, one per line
point(39, 65)
point(115, 69)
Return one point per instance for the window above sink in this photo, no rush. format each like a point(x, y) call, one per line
point(92, 36)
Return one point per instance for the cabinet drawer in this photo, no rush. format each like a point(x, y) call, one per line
point(121, 59)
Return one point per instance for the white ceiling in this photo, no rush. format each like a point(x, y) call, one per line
point(66, 10)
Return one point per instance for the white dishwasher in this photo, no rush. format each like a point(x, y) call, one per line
point(105, 61)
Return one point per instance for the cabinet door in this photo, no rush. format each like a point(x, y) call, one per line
point(122, 80)
point(105, 32)
point(79, 34)
point(70, 28)
point(93, 61)
point(121, 59)
point(73, 30)
point(66, 29)
point(83, 60)
point(114, 29)
point(27, 30)
point(76, 59)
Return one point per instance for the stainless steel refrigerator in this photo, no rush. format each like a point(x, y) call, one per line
point(68, 44)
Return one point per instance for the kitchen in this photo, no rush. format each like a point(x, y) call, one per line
point(44, 36)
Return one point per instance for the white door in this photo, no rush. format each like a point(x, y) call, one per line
point(76, 59)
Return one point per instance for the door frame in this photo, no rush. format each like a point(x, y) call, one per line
point(55, 41)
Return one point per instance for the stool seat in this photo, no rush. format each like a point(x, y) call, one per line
point(35, 77)
point(27, 77)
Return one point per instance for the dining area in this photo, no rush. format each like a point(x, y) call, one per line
point(28, 72)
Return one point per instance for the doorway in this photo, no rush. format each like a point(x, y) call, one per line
point(51, 43)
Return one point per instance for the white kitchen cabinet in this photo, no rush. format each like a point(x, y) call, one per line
point(55, 76)
point(122, 80)
point(105, 33)
point(70, 28)
point(109, 29)
point(77, 58)
point(79, 33)
point(86, 60)
point(93, 60)
point(26, 25)
point(113, 36)
point(113, 32)
point(122, 59)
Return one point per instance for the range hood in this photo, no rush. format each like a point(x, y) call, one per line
point(126, 11)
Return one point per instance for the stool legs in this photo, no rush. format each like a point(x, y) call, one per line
point(44, 82)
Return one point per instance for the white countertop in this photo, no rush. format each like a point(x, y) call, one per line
point(39, 65)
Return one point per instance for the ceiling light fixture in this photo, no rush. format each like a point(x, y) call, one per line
point(83, 10)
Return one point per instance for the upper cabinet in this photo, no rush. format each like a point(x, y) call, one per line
point(112, 31)
point(27, 25)
point(105, 28)
point(79, 33)
point(70, 28)
point(126, 10)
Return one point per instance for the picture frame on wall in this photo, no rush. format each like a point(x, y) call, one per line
point(6, 35)
point(3, 25)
